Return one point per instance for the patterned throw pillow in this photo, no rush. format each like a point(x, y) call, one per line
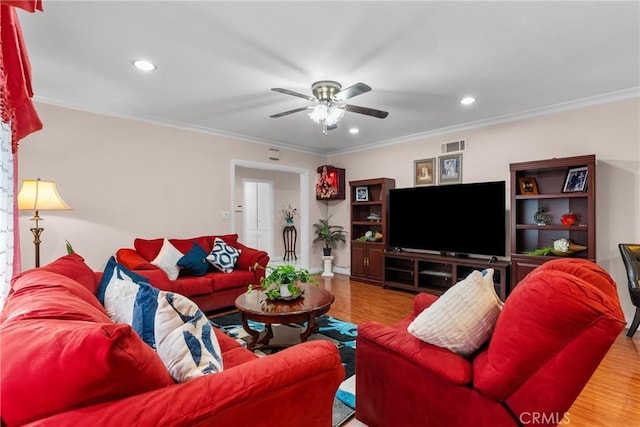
point(170, 323)
point(168, 259)
point(195, 262)
point(463, 318)
point(223, 256)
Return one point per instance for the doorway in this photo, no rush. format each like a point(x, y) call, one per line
point(304, 186)
point(258, 214)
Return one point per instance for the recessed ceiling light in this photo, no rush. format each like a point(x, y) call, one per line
point(143, 64)
point(467, 100)
point(354, 130)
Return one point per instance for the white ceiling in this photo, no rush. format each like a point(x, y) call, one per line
point(217, 62)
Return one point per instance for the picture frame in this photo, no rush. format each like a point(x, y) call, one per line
point(330, 183)
point(362, 194)
point(527, 185)
point(576, 180)
point(450, 169)
point(424, 172)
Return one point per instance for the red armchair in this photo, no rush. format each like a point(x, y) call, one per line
point(552, 333)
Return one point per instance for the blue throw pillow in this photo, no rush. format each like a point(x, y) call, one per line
point(195, 261)
point(170, 323)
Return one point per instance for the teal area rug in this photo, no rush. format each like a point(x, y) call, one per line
point(342, 334)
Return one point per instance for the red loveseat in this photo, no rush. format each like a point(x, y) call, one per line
point(553, 331)
point(65, 363)
point(212, 291)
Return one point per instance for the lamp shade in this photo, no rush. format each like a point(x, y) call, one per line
point(40, 195)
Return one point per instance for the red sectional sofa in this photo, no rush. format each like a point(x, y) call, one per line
point(65, 363)
point(212, 291)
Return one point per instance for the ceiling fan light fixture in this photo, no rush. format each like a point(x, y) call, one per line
point(328, 104)
point(318, 113)
point(335, 113)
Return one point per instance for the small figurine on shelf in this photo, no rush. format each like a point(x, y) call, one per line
point(541, 217)
point(569, 219)
point(374, 217)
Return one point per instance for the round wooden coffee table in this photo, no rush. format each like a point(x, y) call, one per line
point(315, 301)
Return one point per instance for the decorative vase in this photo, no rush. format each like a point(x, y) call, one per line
point(284, 291)
point(289, 221)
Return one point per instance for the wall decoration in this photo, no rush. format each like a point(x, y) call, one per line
point(330, 183)
point(527, 185)
point(576, 180)
point(362, 194)
point(424, 172)
point(450, 169)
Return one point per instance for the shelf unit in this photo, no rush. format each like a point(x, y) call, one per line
point(526, 235)
point(436, 273)
point(366, 257)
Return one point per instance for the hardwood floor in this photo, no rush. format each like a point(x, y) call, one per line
point(610, 399)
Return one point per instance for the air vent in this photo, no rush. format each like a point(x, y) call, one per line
point(274, 154)
point(452, 147)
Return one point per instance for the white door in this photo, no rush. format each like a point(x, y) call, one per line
point(258, 214)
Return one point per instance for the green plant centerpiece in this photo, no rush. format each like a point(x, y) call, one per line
point(281, 282)
point(329, 234)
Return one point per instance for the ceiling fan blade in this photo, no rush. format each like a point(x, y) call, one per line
point(285, 113)
point(367, 111)
point(292, 93)
point(351, 91)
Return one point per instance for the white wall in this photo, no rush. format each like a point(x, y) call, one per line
point(127, 179)
point(610, 131)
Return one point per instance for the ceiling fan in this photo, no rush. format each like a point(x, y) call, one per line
point(328, 105)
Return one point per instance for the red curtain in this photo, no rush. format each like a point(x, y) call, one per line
point(16, 93)
point(15, 72)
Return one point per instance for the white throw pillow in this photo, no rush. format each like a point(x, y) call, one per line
point(185, 339)
point(170, 323)
point(463, 318)
point(167, 260)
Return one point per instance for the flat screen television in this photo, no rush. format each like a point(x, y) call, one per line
point(459, 219)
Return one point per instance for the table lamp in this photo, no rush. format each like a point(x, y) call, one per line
point(36, 195)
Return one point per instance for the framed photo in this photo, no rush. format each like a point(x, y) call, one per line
point(450, 169)
point(424, 172)
point(362, 194)
point(576, 180)
point(527, 185)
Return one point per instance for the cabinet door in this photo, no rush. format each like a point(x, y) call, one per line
point(521, 266)
point(375, 263)
point(357, 259)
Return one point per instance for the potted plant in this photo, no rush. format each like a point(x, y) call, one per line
point(329, 234)
point(281, 282)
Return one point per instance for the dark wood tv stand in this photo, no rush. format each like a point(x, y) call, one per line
point(433, 273)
